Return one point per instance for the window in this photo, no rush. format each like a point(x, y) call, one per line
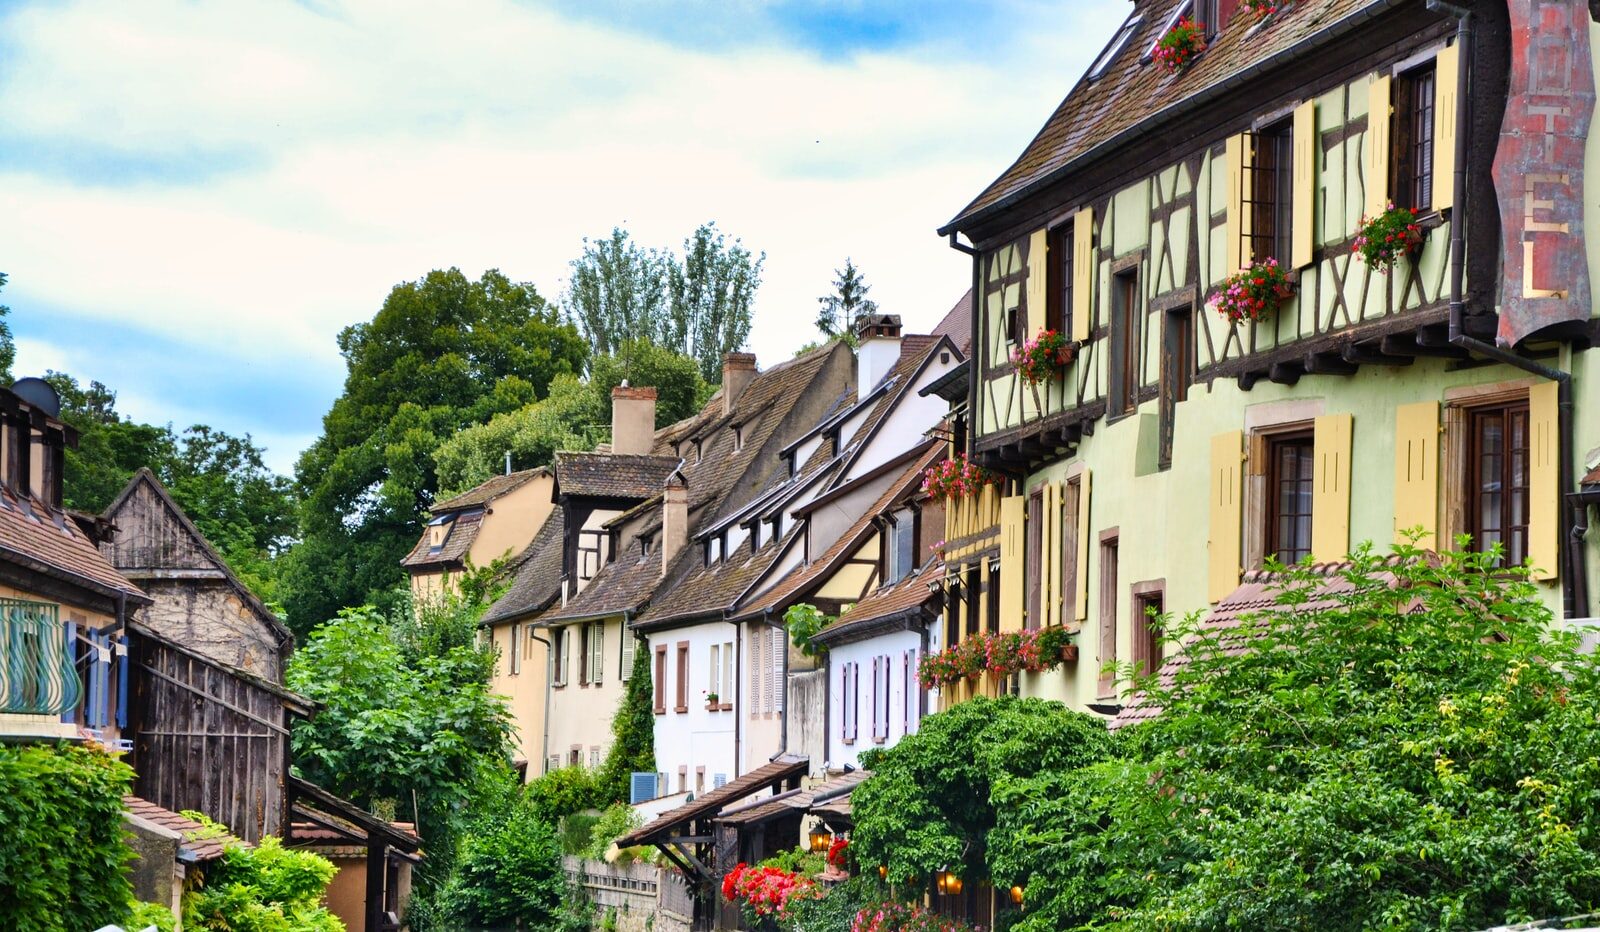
point(592, 636)
point(778, 647)
point(1148, 601)
point(1125, 341)
point(699, 781)
point(594, 757)
point(992, 621)
point(973, 592)
point(758, 673)
point(661, 679)
point(1411, 141)
point(1290, 482)
point(1215, 14)
point(438, 531)
point(1177, 371)
point(848, 712)
point(1268, 185)
point(1108, 610)
point(1497, 499)
point(1070, 529)
point(727, 675)
point(1183, 9)
point(877, 698)
point(1058, 280)
point(1034, 551)
point(559, 639)
point(1118, 43)
point(575, 755)
point(714, 673)
point(514, 652)
point(901, 546)
point(682, 703)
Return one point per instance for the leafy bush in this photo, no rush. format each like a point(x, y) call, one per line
point(561, 793)
point(268, 888)
point(835, 910)
point(146, 915)
point(575, 831)
point(633, 732)
point(1413, 750)
point(509, 873)
point(618, 820)
point(900, 917)
point(805, 622)
point(62, 851)
point(797, 860)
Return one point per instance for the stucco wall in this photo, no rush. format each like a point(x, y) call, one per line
point(894, 647)
point(524, 690)
point(581, 715)
point(512, 520)
point(697, 738)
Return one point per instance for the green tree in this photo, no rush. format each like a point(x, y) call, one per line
point(712, 287)
point(510, 873)
point(680, 389)
point(633, 733)
point(8, 346)
point(266, 888)
point(1412, 748)
point(442, 353)
point(569, 418)
point(929, 803)
point(617, 292)
point(848, 302)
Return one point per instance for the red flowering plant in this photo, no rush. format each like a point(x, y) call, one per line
point(1031, 651)
point(900, 917)
point(1254, 293)
point(1383, 239)
point(839, 853)
point(956, 478)
point(1180, 46)
point(1260, 9)
point(765, 891)
point(954, 664)
point(1039, 359)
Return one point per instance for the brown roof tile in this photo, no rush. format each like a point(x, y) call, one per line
point(48, 541)
point(957, 324)
point(464, 527)
point(830, 792)
point(488, 491)
point(537, 580)
point(784, 768)
point(612, 475)
point(907, 595)
point(699, 590)
point(1134, 90)
point(197, 837)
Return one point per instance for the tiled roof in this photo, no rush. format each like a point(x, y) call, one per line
point(488, 491)
point(463, 531)
point(957, 324)
point(882, 603)
point(197, 838)
point(818, 570)
point(698, 590)
point(45, 540)
point(537, 580)
point(1592, 477)
point(830, 792)
point(1256, 595)
point(1134, 90)
point(784, 768)
point(612, 475)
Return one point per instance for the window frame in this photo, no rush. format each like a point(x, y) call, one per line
point(1126, 314)
point(1178, 364)
point(1110, 546)
point(991, 621)
point(1268, 194)
point(1146, 653)
point(1115, 48)
point(1412, 128)
point(1508, 530)
point(558, 656)
point(661, 679)
point(1272, 505)
point(1058, 278)
point(681, 704)
point(1033, 558)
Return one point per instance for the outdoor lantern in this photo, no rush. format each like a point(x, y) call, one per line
point(947, 883)
point(1016, 895)
point(820, 839)
point(883, 871)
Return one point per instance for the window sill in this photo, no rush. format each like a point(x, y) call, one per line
point(847, 741)
point(680, 709)
point(660, 711)
point(726, 707)
point(879, 739)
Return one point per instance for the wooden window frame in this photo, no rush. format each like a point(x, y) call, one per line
point(1271, 539)
point(1126, 311)
point(1509, 530)
point(1146, 652)
point(682, 694)
point(1110, 544)
point(1178, 359)
point(991, 620)
point(1413, 129)
point(1033, 557)
point(1071, 528)
point(558, 654)
point(583, 655)
point(1058, 279)
point(661, 679)
point(973, 591)
point(514, 652)
point(1267, 185)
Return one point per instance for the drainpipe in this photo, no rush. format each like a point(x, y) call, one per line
point(549, 672)
point(1574, 595)
point(738, 705)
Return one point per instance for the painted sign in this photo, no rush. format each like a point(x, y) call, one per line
point(1538, 168)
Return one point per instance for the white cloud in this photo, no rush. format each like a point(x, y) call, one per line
point(313, 160)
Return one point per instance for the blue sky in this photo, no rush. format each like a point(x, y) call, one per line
point(198, 196)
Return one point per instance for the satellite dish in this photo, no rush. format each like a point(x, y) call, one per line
point(39, 393)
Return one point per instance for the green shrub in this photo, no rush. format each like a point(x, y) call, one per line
point(798, 861)
point(268, 888)
point(576, 830)
point(836, 909)
point(561, 793)
point(509, 872)
point(62, 850)
point(146, 915)
point(616, 821)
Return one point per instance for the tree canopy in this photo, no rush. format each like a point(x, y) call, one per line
point(839, 310)
point(444, 352)
point(1412, 749)
point(8, 346)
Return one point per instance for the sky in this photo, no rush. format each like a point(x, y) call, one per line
point(195, 197)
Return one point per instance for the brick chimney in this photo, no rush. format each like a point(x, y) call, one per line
point(633, 419)
point(737, 371)
point(877, 350)
point(674, 518)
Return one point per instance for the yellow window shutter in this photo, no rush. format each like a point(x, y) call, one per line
point(1330, 495)
point(1544, 492)
point(1013, 561)
point(1227, 513)
point(1416, 471)
point(1038, 272)
point(1083, 274)
point(1081, 597)
point(1303, 212)
point(1446, 81)
point(1233, 155)
point(1377, 179)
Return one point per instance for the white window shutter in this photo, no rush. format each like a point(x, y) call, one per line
point(776, 672)
point(630, 646)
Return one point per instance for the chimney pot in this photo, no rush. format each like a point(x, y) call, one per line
point(633, 419)
point(738, 370)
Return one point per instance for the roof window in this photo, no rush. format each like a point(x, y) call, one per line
point(1116, 46)
point(1183, 9)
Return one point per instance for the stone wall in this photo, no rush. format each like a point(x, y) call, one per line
point(633, 897)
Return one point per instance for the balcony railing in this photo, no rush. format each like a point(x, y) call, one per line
point(37, 676)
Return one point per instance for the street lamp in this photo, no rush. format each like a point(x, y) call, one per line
point(820, 839)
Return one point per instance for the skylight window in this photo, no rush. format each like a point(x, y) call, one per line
point(1115, 48)
point(1184, 9)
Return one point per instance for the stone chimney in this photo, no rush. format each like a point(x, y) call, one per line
point(737, 371)
point(674, 518)
point(633, 419)
point(877, 351)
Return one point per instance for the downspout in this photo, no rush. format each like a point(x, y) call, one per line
point(1574, 595)
point(738, 696)
point(549, 672)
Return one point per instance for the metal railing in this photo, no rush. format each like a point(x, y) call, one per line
point(37, 676)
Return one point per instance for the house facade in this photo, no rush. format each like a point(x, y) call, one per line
point(493, 520)
point(1179, 448)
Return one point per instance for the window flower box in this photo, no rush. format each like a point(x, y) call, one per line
point(1043, 357)
point(1182, 44)
point(1255, 293)
point(957, 478)
point(1382, 240)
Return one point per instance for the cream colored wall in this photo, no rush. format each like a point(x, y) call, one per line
point(512, 520)
point(524, 690)
point(582, 715)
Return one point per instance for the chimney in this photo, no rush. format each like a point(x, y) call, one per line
point(674, 518)
point(633, 419)
point(737, 371)
point(877, 351)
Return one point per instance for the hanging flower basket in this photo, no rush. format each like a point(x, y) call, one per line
point(1260, 9)
point(1255, 293)
point(1180, 46)
point(956, 478)
point(1383, 239)
point(1041, 358)
point(1032, 651)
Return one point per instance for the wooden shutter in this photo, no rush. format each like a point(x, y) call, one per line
point(1307, 145)
point(1038, 302)
point(1227, 514)
point(682, 694)
point(1330, 495)
point(1416, 470)
point(1377, 167)
point(875, 681)
point(661, 679)
point(1544, 493)
point(1083, 274)
point(1236, 154)
point(630, 646)
point(1049, 558)
point(1446, 81)
point(1081, 597)
point(1012, 561)
point(780, 647)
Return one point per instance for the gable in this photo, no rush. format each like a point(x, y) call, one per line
point(151, 535)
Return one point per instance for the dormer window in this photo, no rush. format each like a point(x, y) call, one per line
point(438, 532)
point(644, 549)
point(1115, 48)
point(697, 449)
point(1184, 9)
point(738, 437)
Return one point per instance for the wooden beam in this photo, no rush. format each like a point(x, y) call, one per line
point(1328, 364)
point(1403, 344)
point(1365, 356)
point(1285, 373)
point(377, 870)
point(1247, 380)
point(689, 840)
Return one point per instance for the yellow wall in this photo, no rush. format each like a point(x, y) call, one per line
point(524, 690)
point(512, 520)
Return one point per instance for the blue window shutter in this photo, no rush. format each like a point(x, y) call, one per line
point(719, 781)
point(122, 682)
point(71, 715)
point(643, 787)
point(102, 669)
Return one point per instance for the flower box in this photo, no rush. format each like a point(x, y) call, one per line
point(1043, 357)
point(1182, 44)
point(957, 478)
point(1255, 293)
point(1382, 240)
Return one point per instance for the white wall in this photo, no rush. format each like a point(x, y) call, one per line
point(696, 737)
point(906, 426)
point(582, 715)
point(893, 646)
